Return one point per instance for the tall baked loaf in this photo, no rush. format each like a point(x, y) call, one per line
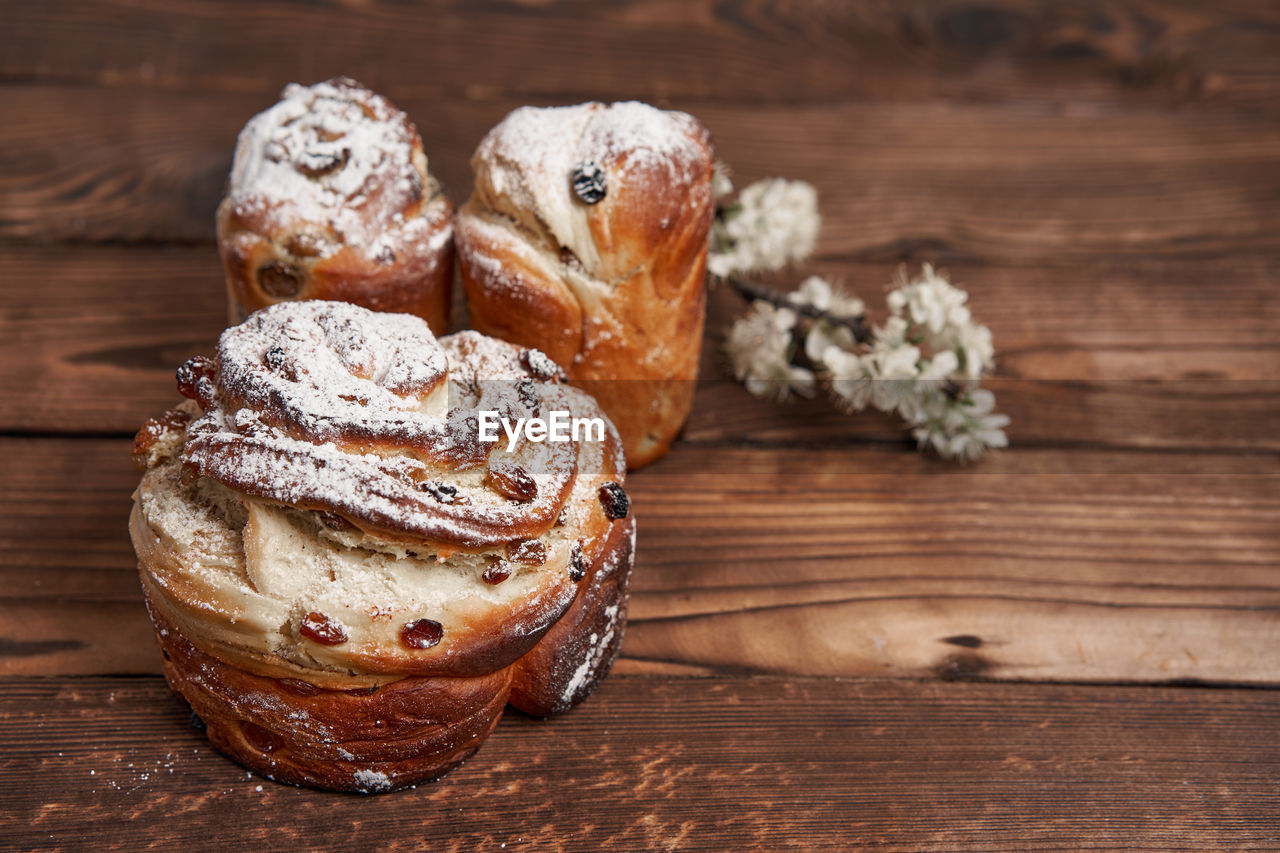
point(586, 237)
point(330, 198)
point(347, 584)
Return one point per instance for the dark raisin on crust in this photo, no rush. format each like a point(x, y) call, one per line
point(614, 500)
point(259, 738)
point(540, 365)
point(279, 280)
point(322, 160)
point(513, 482)
point(323, 630)
point(149, 436)
point(577, 563)
point(531, 552)
point(197, 723)
point(299, 687)
point(496, 572)
point(589, 182)
point(274, 358)
point(421, 634)
point(443, 492)
point(190, 374)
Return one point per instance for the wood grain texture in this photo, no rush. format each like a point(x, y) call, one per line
point(794, 50)
point(866, 561)
point(1009, 182)
point(1149, 354)
point(712, 764)
point(1103, 178)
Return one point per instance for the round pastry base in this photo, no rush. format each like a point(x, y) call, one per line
point(364, 740)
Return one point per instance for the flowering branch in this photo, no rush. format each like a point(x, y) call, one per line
point(755, 292)
point(924, 363)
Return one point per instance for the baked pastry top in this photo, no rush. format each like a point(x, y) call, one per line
point(586, 236)
point(330, 197)
point(322, 507)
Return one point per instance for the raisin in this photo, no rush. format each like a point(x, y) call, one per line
point(300, 688)
point(614, 500)
point(321, 629)
point(279, 280)
point(197, 723)
point(191, 372)
point(151, 433)
point(496, 572)
point(274, 358)
point(422, 634)
point(443, 492)
point(513, 482)
point(540, 365)
point(531, 552)
point(315, 162)
point(589, 183)
point(259, 738)
point(577, 563)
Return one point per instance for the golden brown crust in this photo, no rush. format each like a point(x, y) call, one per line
point(579, 650)
point(320, 650)
point(614, 291)
point(351, 733)
point(367, 225)
point(366, 739)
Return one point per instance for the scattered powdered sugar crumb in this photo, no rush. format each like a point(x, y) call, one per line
point(371, 781)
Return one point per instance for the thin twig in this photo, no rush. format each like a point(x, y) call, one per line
point(753, 291)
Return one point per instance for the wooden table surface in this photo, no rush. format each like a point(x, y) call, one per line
point(835, 642)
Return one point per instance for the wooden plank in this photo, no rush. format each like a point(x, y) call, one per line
point(1002, 182)
point(1109, 354)
point(1119, 50)
point(1036, 565)
point(675, 764)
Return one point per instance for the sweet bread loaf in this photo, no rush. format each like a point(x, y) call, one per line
point(348, 583)
point(330, 198)
point(586, 237)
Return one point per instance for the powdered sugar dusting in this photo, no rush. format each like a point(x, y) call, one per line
point(371, 781)
point(530, 158)
point(329, 406)
point(333, 153)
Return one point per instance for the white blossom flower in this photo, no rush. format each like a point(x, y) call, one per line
point(963, 428)
point(972, 345)
point(850, 378)
point(891, 335)
point(760, 346)
point(818, 293)
point(929, 301)
point(937, 309)
point(774, 223)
